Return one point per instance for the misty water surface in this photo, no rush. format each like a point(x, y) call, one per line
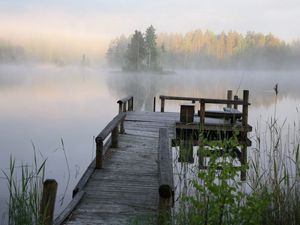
point(41, 105)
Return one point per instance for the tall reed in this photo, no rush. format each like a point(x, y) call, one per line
point(25, 190)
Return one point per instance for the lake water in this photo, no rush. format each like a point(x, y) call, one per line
point(44, 104)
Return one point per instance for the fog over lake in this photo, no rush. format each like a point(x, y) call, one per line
point(42, 104)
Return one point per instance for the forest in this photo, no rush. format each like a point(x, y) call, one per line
point(207, 50)
point(152, 51)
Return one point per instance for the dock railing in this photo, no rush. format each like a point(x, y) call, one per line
point(229, 101)
point(125, 104)
point(113, 129)
point(229, 112)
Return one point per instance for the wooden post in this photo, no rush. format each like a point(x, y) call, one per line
point(154, 104)
point(202, 113)
point(131, 104)
point(48, 201)
point(235, 106)
point(114, 137)
point(125, 107)
point(99, 153)
point(201, 134)
point(187, 113)
point(245, 107)
point(162, 107)
point(244, 133)
point(120, 106)
point(122, 130)
point(229, 97)
point(166, 183)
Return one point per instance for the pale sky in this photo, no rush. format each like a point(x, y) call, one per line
point(101, 20)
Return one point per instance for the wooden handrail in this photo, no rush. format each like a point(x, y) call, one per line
point(124, 99)
point(236, 101)
point(125, 104)
point(113, 128)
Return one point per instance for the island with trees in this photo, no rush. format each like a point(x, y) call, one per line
point(140, 53)
point(202, 50)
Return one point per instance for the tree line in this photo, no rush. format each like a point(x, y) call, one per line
point(10, 53)
point(206, 50)
point(139, 52)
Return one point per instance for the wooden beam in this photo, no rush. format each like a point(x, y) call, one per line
point(85, 177)
point(235, 98)
point(229, 97)
point(110, 126)
point(166, 183)
point(48, 201)
point(68, 210)
point(166, 186)
point(162, 106)
point(124, 99)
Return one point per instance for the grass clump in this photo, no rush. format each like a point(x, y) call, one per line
point(25, 185)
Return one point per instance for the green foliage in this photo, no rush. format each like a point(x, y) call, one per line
point(25, 192)
point(270, 196)
point(116, 52)
point(136, 52)
point(140, 54)
point(152, 53)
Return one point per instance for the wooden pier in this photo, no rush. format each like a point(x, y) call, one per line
point(131, 178)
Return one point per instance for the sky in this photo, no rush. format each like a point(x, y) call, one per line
point(95, 22)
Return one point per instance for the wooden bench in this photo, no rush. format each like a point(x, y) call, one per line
point(227, 114)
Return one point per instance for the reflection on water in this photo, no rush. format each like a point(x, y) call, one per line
point(207, 84)
point(44, 103)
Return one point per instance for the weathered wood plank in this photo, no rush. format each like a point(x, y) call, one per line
point(127, 186)
point(166, 186)
point(68, 210)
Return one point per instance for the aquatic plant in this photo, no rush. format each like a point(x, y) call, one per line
point(25, 185)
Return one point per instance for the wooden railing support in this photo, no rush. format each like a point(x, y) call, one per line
point(162, 104)
point(112, 128)
point(235, 98)
point(244, 133)
point(125, 104)
point(114, 137)
point(131, 104)
point(99, 153)
point(229, 97)
point(236, 101)
point(48, 201)
point(202, 113)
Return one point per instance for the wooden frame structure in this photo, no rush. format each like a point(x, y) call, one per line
point(224, 123)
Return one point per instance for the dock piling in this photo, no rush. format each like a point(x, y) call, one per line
point(48, 201)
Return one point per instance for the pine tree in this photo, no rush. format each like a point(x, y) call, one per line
point(136, 52)
point(151, 49)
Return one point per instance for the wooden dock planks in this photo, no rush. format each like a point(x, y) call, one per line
point(126, 189)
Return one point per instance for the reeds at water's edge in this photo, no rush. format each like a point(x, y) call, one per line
point(25, 185)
